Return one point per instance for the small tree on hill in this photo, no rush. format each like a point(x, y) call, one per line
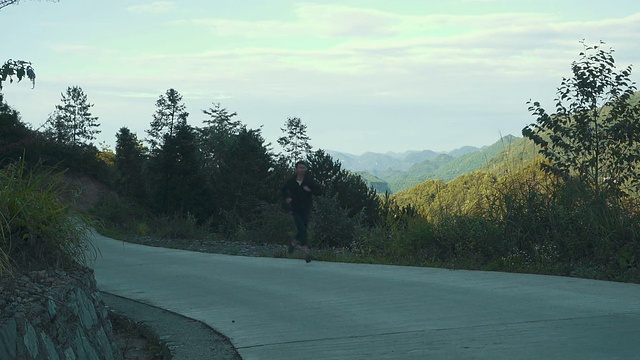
point(594, 135)
point(170, 114)
point(295, 142)
point(221, 121)
point(72, 123)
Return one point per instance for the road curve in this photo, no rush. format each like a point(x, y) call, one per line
point(287, 309)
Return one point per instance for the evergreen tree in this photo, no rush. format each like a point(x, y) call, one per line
point(217, 134)
point(245, 178)
point(72, 123)
point(238, 166)
point(169, 118)
point(170, 113)
point(295, 142)
point(221, 121)
point(129, 162)
point(183, 192)
point(350, 190)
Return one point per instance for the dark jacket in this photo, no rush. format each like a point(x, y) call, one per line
point(301, 200)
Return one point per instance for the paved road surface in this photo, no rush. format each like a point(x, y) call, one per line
point(287, 309)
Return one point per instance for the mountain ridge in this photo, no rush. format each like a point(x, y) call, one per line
point(374, 162)
point(414, 167)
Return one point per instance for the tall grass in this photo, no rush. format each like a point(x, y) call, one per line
point(37, 231)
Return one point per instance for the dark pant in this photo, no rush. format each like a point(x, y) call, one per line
point(302, 222)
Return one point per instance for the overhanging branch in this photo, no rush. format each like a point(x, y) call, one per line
point(4, 3)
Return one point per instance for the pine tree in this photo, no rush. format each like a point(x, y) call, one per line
point(72, 123)
point(295, 142)
point(129, 161)
point(170, 114)
point(169, 151)
point(221, 121)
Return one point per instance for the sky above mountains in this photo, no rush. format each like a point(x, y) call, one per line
point(363, 75)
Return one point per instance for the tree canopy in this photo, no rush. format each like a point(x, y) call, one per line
point(594, 134)
point(72, 123)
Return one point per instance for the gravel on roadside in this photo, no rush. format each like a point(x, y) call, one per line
point(213, 246)
point(186, 339)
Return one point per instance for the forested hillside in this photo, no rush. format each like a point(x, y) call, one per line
point(561, 200)
point(446, 167)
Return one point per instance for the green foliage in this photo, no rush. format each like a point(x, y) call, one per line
point(352, 193)
point(14, 134)
point(245, 178)
point(118, 213)
point(594, 133)
point(295, 142)
point(169, 116)
point(129, 161)
point(71, 123)
point(222, 180)
point(19, 69)
point(220, 121)
point(379, 185)
point(447, 168)
point(271, 225)
point(173, 170)
point(526, 220)
point(37, 230)
point(20, 143)
point(179, 166)
point(332, 227)
point(126, 217)
point(178, 226)
point(433, 199)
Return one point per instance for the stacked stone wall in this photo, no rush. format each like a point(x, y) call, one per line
point(54, 315)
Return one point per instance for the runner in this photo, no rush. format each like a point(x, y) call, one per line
point(298, 192)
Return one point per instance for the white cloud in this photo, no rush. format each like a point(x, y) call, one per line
point(81, 49)
point(156, 7)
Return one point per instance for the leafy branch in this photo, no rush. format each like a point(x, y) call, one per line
point(18, 69)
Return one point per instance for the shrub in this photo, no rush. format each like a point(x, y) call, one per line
point(37, 230)
point(116, 212)
point(178, 226)
point(270, 225)
point(331, 226)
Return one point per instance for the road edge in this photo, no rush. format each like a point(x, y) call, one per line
point(186, 338)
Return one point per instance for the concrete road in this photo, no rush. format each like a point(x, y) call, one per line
point(287, 309)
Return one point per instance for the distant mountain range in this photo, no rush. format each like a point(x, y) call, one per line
point(394, 172)
point(375, 163)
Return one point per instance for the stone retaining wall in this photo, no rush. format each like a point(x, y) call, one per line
point(54, 315)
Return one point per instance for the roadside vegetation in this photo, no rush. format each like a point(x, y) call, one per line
point(38, 230)
point(571, 210)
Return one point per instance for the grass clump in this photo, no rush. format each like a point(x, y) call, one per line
point(37, 231)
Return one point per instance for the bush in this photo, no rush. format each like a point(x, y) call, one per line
point(38, 231)
point(270, 225)
point(116, 212)
point(177, 226)
point(331, 226)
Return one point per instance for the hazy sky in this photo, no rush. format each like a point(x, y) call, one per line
point(363, 75)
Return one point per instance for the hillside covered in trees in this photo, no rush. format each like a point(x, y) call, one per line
point(562, 200)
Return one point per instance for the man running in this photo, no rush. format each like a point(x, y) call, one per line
point(298, 192)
